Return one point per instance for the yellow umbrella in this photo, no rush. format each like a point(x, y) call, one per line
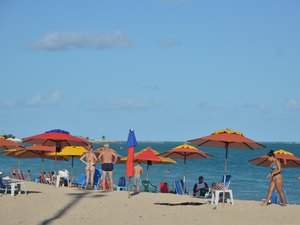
point(281, 151)
point(72, 151)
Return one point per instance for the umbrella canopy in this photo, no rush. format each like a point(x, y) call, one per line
point(71, 151)
point(7, 144)
point(185, 152)
point(149, 156)
point(146, 156)
point(58, 138)
point(131, 144)
point(34, 151)
point(287, 159)
point(227, 139)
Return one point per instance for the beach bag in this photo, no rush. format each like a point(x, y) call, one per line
point(63, 173)
point(219, 186)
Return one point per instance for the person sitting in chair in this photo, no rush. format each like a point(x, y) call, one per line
point(200, 188)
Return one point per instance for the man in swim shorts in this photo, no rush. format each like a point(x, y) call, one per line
point(90, 161)
point(108, 158)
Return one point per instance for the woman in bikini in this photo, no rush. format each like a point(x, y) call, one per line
point(276, 179)
point(90, 161)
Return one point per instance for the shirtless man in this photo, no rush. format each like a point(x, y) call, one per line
point(138, 171)
point(90, 161)
point(108, 158)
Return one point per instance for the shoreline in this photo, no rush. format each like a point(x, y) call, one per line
point(46, 204)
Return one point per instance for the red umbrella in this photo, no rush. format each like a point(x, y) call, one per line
point(185, 152)
point(7, 144)
point(148, 156)
point(131, 144)
point(58, 138)
point(227, 139)
point(35, 151)
point(287, 159)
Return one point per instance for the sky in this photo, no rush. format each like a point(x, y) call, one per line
point(172, 70)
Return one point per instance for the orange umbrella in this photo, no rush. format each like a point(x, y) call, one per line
point(185, 152)
point(39, 151)
point(287, 159)
point(227, 139)
point(147, 156)
point(7, 144)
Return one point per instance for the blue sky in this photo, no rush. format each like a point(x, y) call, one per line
point(169, 69)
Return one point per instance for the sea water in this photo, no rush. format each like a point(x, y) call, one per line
point(248, 181)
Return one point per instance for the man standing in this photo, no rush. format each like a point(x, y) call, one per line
point(138, 171)
point(108, 158)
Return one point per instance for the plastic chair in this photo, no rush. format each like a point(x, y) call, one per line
point(3, 186)
point(146, 184)
point(163, 187)
point(178, 187)
point(219, 192)
point(122, 184)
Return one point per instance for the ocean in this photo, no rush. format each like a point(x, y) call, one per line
point(248, 181)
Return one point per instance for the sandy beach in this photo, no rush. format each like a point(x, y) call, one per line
point(46, 204)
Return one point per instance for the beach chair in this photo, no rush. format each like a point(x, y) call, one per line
point(107, 185)
point(219, 191)
point(122, 184)
point(20, 175)
point(178, 187)
point(163, 187)
point(276, 199)
point(147, 184)
point(51, 179)
point(43, 178)
point(3, 186)
point(80, 182)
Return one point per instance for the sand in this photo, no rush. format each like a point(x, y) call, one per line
point(46, 204)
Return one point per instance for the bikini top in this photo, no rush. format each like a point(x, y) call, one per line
point(274, 166)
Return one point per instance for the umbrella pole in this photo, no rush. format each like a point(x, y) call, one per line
point(225, 171)
point(55, 162)
point(72, 167)
point(184, 185)
point(147, 178)
point(42, 164)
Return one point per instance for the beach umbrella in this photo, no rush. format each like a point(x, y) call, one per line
point(185, 152)
point(146, 156)
point(58, 138)
point(287, 159)
point(141, 158)
point(71, 151)
point(34, 151)
point(7, 144)
point(12, 152)
point(131, 144)
point(227, 139)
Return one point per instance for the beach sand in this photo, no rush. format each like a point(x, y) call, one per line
point(46, 204)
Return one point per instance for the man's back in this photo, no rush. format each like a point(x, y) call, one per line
point(138, 170)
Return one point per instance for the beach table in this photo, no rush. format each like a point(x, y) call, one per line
point(15, 185)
